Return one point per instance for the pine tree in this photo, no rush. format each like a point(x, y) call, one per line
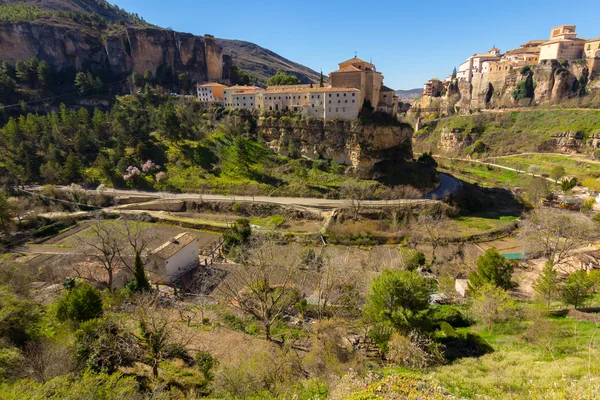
point(141, 280)
point(321, 80)
point(546, 285)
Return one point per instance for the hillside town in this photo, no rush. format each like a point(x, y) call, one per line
point(199, 217)
point(355, 82)
point(495, 66)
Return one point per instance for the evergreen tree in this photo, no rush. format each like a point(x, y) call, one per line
point(494, 268)
point(546, 285)
point(577, 289)
point(45, 75)
point(141, 280)
point(321, 84)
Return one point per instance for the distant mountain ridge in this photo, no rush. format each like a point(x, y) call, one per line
point(410, 94)
point(264, 63)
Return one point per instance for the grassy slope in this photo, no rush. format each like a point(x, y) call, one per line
point(513, 132)
point(577, 167)
point(517, 369)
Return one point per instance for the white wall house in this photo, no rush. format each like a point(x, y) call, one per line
point(174, 258)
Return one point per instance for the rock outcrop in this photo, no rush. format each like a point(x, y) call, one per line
point(119, 51)
point(351, 143)
point(550, 83)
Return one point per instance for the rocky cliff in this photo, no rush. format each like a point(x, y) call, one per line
point(359, 146)
point(120, 51)
point(547, 83)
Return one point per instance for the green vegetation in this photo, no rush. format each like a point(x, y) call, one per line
point(281, 78)
point(24, 12)
point(556, 166)
point(492, 268)
point(485, 175)
point(152, 142)
point(20, 12)
point(511, 132)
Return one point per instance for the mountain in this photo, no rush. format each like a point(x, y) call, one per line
point(409, 95)
point(52, 30)
point(263, 63)
point(102, 8)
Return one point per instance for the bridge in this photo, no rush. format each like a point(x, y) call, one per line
point(417, 109)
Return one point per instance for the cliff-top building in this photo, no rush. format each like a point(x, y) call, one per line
point(563, 45)
point(355, 82)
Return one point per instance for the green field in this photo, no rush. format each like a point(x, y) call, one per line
point(578, 167)
point(484, 175)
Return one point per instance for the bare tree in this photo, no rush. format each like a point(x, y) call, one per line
point(556, 234)
point(161, 336)
point(433, 224)
point(104, 245)
point(355, 193)
point(136, 241)
point(113, 245)
point(264, 284)
point(47, 359)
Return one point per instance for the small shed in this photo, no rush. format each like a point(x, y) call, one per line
point(173, 259)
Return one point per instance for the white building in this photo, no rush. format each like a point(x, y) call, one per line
point(211, 92)
point(230, 91)
point(174, 258)
point(474, 64)
point(317, 102)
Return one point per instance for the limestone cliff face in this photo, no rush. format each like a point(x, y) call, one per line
point(552, 83)
point(347, 142)
point(67, 46)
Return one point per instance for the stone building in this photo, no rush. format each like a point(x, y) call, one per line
point(355, 82)
point(563, 45)
point(433, 88)
point(592, 48)
point(361, 75)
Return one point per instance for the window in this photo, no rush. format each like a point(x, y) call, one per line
point(353, 94)
point(329, 109)
point(338, 95)
point(329, 94)
point(329, 101)
point(344, 94)
point(345, 101)
point(353, 101)
point(344, 109)
point(339, 101)
point(336, 109)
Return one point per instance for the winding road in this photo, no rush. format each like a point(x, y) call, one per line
point(448, 185)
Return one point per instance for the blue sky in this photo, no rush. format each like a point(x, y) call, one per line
point(408, 41)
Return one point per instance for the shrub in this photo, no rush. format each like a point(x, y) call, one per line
point(464, 345)
point(79, 304)
point(414, 351)
point(568, 184)
point(588, 204)
point(205, 362)
point(451, 315)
